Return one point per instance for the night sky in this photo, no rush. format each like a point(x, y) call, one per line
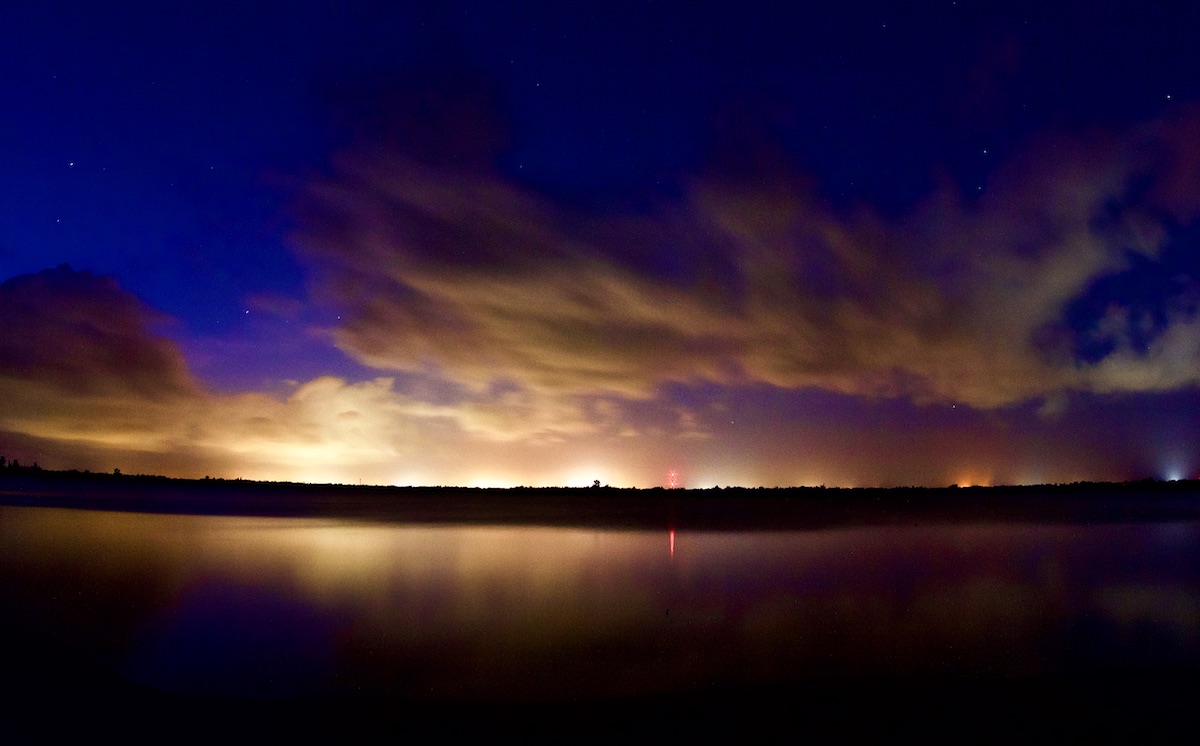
point(546, 243)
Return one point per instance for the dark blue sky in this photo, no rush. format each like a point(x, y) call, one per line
point(185, 125)
point(178, 151)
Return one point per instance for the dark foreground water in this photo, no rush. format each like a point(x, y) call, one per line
point(297, 609)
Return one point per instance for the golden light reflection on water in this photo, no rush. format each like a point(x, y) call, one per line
point(300, 606)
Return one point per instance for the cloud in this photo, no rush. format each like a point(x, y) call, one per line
point(81, 332)
point(85, 380)
point(757, 281)
point(506, 327)
point(417, 428)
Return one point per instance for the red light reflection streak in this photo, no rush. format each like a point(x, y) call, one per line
point(672, 542)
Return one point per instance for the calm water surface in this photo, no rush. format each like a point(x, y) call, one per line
point(237, 606)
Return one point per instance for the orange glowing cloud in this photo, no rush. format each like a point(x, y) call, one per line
point(960, 301)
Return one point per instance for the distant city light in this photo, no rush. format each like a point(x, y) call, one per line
point(1173, 468)
point(586, 475)
point(974, 479)
point(489, 482)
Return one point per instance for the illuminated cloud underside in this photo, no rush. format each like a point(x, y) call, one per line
point(957, 302)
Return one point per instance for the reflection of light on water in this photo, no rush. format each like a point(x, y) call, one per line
point(510, 611)
point(337, 557)
point(1177, 532)
point(1172, 609)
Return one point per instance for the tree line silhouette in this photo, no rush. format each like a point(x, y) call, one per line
point(14, 467)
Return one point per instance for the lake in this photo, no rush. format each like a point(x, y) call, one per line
point(302, 607)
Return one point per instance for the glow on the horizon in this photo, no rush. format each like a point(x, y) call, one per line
point(1173, 468)
point(973, 478)
point(1173, 474)
point(807, 483)
point(412, 479)
point(585, 476)
point(703, 480)
point(489, 482)
point(1030, 477)
point(271, 473)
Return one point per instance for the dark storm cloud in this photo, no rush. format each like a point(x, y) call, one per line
point(81, 369)
point(80, 331)
point(962, 299)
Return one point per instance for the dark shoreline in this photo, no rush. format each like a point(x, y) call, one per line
point(729, 509)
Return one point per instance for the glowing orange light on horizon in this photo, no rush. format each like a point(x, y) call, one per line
point(974, 479)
